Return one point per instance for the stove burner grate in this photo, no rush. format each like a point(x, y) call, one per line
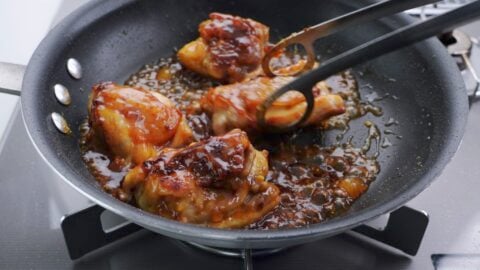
point(437, 8)
point(245, 254)
point(235, 253)
point(84, 233)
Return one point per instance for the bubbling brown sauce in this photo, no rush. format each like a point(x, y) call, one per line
point(345, 85)
point(169, 78)
point(317, 182)
point(312, 182)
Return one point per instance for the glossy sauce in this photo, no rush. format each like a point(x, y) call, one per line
point(310, 179)
point(317, 182)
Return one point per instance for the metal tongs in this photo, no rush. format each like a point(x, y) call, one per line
point(390, 42)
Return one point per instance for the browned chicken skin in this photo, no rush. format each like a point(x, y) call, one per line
point(219, 182)
point(229, 48)
point(135, 123)
point(235, 105)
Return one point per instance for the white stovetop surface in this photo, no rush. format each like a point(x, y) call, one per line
point(23, 24)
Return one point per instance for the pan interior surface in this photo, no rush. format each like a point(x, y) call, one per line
point(113, 39)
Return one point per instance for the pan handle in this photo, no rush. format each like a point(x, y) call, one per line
point(11, 77)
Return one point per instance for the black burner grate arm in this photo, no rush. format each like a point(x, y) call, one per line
point(83, 233)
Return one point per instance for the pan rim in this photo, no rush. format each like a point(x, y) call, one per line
point(227, 237)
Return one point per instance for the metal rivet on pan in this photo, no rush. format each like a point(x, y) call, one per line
point(74, 68)
point(62, 94)
point(60, 123)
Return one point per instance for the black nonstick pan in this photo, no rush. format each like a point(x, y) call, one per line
point(112, 39)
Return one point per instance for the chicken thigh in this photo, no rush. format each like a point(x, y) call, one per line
point(229, 48)
point(135, 123)
point(235, 105)
point(219, 183)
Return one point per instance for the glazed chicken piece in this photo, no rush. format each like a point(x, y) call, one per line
point(135, 123)
point(235, 105)
point(219, 183)
point(229, 48)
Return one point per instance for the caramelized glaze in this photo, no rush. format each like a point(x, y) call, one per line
point(316, 182)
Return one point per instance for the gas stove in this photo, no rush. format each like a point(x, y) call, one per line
point(34, 201)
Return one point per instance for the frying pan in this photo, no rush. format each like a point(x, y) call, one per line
point(114, 38)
